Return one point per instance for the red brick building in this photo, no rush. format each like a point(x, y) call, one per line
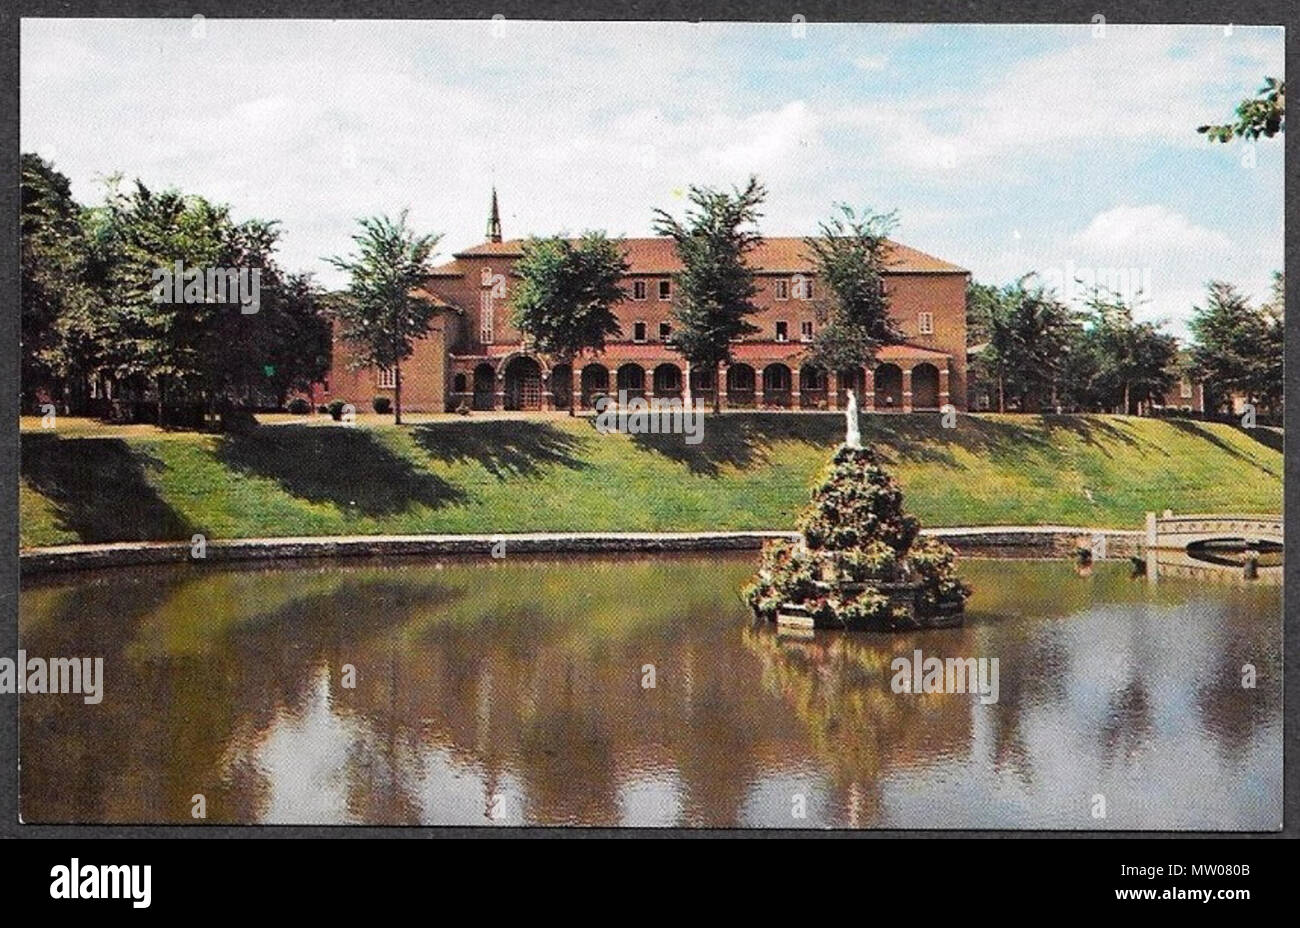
point(1187, 395)
point(476, 357)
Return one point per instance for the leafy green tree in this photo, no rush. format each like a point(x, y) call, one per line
point(380, 316)
point(1263, 114)
point(565, 294)
point(1135, 360)
point(1269, 379)
point(987, 342)
point(1027, 334)
point(177, 341)
point(54, 258)
point(298, 343)
point(193, 344)
point(849, 256)
point(1079, 378)
point(94, 310)
point(714, 291)
point(1238, 347)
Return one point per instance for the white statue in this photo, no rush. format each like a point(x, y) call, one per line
point(852, 436)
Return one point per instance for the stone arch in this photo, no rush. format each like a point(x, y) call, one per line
point(889, 387)
point(485, 384)
point(777, 384)
point(854, 379)
point(667, 381)
point(631, 377)
point(507, 360)
point(562, 384)
point(812, 386)
point(740, 385)
point(703, 381)
point(522, 375)
point(595, 383)
point(925, 386)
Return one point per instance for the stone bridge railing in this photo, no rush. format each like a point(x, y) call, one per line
point(1169, 531)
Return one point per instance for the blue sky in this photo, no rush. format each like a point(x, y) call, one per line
point(1004, 149)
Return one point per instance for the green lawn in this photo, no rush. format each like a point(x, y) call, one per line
point(752, 471)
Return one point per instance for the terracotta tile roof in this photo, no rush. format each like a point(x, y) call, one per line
point(450, 269)
point(436, 300)
point(744, 352)
point(657, 256)
point(767, 351)
point(908, 353)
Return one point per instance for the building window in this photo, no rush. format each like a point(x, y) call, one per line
point(806, 330)
point(1186, 389)
point(638, 331)
point(781, 289)
point(458, 385)
point(782, 331)
point(925, 323)
point(665, 289)
point(803, 287)
point(638, 289)
point(486, 309)
point(665, 330)
point(385, 378)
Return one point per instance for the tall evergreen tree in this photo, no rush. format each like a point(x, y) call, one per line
point(380, 316)
point(1269, 381)
point(1237, 347)
point(713, 293)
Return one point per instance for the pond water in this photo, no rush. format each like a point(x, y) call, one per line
point(514, 692)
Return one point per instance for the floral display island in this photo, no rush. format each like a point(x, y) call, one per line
point(861, 562)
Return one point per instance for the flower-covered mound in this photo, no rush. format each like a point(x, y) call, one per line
point(861, 562)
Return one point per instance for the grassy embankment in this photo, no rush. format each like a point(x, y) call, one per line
point(83, 484)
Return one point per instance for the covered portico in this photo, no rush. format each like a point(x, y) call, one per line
point(760, 375)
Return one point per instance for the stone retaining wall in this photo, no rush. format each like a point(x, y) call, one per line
point(1003, 540)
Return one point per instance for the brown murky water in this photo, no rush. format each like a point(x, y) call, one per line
point(512, 693)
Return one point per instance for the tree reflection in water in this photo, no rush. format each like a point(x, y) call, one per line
point(511, 693)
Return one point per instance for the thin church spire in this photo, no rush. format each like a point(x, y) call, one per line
point(494, 219)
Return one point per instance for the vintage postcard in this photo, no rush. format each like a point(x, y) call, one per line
point(694, 425)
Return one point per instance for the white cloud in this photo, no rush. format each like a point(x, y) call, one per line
point(1139, 232)
point(594, 125)
point(1140, 84)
